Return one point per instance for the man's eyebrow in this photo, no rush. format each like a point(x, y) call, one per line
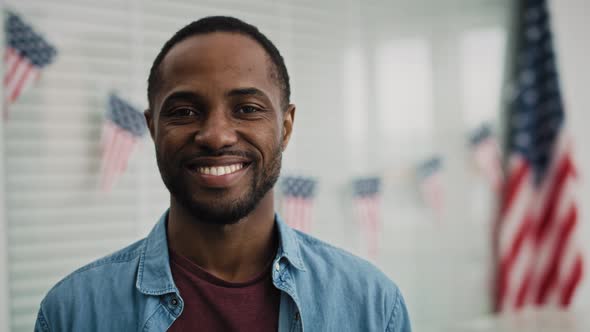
point(246, 92)
point(183, 95)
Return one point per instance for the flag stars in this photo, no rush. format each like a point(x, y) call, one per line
point(527, 77)
point(126, 116)
point(520, 121)
point(534, 33)
point(530, 97)
point(532, 14)
point(522, 139)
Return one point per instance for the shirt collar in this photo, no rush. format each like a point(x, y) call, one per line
point(289, 244)
point(154, 276)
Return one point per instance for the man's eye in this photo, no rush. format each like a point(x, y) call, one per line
point(184, 111)
point(248, 109)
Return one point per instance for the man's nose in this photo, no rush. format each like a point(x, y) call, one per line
point(217, 131)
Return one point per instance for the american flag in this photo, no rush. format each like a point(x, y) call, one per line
point(123, 128)
point(26, 54)
point(297, 201)
point(539, 263)
point(429, 175)
point(486, 154)
point(367, 211)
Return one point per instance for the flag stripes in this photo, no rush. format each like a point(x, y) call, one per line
point(539, 261)
point(123, 129)
point(25, 55)
point(297, 201)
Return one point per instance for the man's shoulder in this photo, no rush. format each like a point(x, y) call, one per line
point(370, 299)
point(320, 254)
point(97, 274)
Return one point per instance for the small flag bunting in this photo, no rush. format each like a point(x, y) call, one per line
point(430, 182)
point(486, 154)
point(298, 193)
point(367, 211)
point(27, 53)
point(123, 128)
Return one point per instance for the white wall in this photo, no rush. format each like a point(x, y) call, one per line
point(571, 27)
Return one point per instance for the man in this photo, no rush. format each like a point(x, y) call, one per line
point(220, 259)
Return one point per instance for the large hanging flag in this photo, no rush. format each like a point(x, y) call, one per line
point(123, 128)
point(27, 53)
point(429, 175)
point(487, 156)
point(297, 201)
point(539, 262)
point(367, 211)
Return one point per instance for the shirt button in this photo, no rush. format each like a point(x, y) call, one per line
point(277, 266)
point(174, 302)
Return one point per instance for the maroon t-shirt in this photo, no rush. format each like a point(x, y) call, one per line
point(212, 304)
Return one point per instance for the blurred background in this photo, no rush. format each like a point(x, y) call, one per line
point(398, 90)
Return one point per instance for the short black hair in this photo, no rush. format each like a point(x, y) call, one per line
point(223, 24)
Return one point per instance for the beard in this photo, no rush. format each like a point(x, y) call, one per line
point(219, 209)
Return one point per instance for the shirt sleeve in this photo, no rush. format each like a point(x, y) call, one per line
point(41, 324)
point(399, 320)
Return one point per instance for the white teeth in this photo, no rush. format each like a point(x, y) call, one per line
point(220, 170)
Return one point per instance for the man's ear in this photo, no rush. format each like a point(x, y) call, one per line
point(149, 119)
point(288, 120)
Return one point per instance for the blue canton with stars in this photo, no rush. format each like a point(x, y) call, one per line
point(536, 112)
point(29, 44)
point(126, 116)
point(429, 167)
point(480, 134)
point(364, 187)
point(298, 186)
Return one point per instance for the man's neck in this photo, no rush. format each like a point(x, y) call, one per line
point(235, 252)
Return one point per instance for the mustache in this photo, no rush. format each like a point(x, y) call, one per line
point(220, 153)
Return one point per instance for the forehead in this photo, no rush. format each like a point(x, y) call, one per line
point(222, 60)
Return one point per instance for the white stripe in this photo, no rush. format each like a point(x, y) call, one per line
point(9, 62)
point(110, 160)
point(32, 76)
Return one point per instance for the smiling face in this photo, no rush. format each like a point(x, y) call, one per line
point(218, 126)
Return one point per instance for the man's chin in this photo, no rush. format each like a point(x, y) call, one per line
point(219, 214)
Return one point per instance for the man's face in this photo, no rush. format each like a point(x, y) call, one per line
point(217, 125)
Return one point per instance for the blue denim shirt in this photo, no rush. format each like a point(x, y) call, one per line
point(323, 289)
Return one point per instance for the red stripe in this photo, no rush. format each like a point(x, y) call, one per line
point(550, 275)
point(509, 260)
point(512, 186)
point(572, 282)
point(548, 215)
point(8, 74)
point(19, 85)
